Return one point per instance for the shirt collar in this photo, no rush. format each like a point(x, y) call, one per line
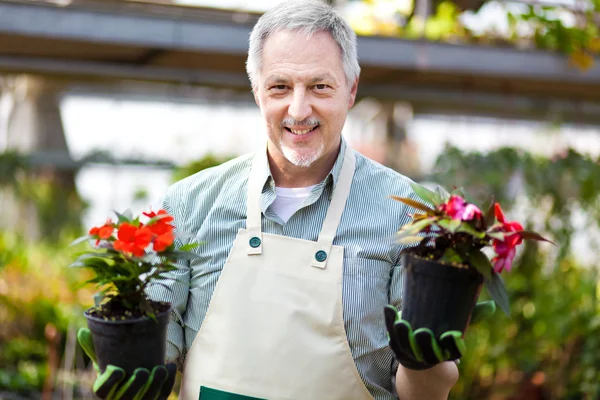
point(337, 166)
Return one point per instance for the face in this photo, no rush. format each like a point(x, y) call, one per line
point(304, 97)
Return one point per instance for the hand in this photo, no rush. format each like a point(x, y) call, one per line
point(419, 349)
point(142, 385)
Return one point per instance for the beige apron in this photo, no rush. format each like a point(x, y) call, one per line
point(274, 328)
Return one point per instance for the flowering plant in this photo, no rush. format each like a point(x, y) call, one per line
point(449, 230)
point(128, 256)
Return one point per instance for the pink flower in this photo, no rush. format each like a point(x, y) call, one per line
point(504, 256)
point(458, 208)
point(505, 249)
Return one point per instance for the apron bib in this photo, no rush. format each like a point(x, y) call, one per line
point(274, 327)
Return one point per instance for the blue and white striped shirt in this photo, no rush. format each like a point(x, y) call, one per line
point(212, 206)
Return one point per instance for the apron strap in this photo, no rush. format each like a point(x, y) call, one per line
point(335, 210)
point(332, 219)
point(253, 212)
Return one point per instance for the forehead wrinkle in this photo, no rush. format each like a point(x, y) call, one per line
point(277, 78)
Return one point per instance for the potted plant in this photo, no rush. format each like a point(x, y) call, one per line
point(445, 271)
point(129, 329)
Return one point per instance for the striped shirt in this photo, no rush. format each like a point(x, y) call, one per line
point(211, 205)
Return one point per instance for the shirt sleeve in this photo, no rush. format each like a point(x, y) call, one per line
point(174, 289)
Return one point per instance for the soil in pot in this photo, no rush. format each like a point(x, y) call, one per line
point(129, 341)
point(438, 296)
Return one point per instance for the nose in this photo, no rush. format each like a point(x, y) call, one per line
point(300, 107)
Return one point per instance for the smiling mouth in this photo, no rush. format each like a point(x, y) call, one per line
point(300, 132)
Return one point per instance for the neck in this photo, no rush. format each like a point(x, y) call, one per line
point(287, 175)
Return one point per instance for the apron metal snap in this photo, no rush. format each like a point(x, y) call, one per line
point(254, 242)
point(321, 256)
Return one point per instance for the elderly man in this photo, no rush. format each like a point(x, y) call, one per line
point(286, 300)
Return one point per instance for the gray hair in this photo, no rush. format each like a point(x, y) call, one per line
point(307, 16)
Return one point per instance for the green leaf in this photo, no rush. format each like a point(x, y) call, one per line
point(497, 235)
point(147, 308)
point(157, 218)
point(415, 227)
point(90, 262)
point(533, 236)
point(409, 239)
point(189, 246)
point(451, 256)
point(495, 287)
point(77, 264)
point(480, 261)
point(413, 203)
point(82, 239)
point(125, 217)
point(459, 192)
point(450, 224)
point(425, 194)
point(443, 194)
point(467, 228)
point(490, 216)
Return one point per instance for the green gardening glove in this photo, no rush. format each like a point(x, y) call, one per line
point(419, 349)
point(112, 384)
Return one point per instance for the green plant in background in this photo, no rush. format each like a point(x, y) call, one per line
point(551, 344)
point(43, 198)
point(208, 161)
point(532, 26)
point(39, 300)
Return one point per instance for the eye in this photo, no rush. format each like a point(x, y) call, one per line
point(278, 87)
point(321, 86)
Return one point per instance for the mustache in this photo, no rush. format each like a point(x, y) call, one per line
point(292, 121)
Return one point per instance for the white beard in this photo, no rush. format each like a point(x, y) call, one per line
point(302, 157)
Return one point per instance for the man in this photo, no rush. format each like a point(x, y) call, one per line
point(286, 300)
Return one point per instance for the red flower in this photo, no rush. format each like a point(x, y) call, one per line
point(102, 232)
point(162, 230)
point(163, 241)
point(505, 249)
point(458, 208)
point(133, 240)
point(162, 225)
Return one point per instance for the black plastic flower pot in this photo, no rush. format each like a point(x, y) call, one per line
point(438, 296)
point(130, 344)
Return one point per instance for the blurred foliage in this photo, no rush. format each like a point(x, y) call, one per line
point(44, 194)
point(550, 347)
point(208, 161)
point(40, 298)
point(38, 294)
point(571, 30)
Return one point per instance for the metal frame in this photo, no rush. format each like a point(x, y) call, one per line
point(173, 28)
point(178, 32)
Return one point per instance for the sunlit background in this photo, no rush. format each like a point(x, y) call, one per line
point(527, 134)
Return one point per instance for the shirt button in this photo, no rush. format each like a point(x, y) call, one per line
point(254, 242)
point(321, 256)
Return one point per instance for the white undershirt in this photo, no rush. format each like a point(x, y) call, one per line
point(289, 200)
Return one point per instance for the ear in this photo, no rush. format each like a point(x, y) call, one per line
point(352, 97)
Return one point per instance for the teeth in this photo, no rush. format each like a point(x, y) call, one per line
point(301, 132)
